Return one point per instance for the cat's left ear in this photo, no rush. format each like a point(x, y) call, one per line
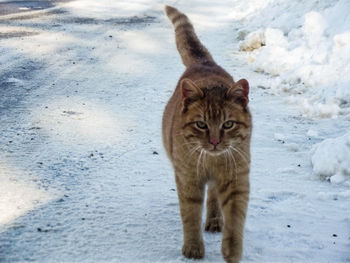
point(239, 92)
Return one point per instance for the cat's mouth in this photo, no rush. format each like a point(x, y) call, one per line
point(214, 150)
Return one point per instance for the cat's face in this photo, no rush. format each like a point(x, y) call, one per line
point(215, 121)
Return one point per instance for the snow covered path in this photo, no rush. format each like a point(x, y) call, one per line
point(83, 174)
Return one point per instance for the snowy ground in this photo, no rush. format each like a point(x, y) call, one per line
point(18, 6)
point(83, 174)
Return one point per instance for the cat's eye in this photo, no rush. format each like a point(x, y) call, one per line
point(201, 125)
point(228, 124)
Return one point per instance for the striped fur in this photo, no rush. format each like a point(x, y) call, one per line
point(190, 48)
point(212, 155)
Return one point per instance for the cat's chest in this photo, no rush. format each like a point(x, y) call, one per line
point(218, 166)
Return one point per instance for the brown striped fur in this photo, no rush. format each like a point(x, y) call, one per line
point(204, 148)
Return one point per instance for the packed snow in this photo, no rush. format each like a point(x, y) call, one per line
point(84, 177)
point(18, 196)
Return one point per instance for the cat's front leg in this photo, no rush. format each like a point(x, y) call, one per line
point(214, 219)
point(191, 195)
point(234, 202)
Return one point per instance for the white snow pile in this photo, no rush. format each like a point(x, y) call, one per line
point(310, 60)
point(331, 159)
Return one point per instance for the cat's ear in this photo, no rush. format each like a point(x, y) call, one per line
point(239, 92)
point(190, 90)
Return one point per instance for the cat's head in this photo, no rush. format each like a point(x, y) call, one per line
point(215, 118)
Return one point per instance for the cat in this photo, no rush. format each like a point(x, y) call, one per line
point(206, 132)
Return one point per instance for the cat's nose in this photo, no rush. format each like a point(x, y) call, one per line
point(214, 142)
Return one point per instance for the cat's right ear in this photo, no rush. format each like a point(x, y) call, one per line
point(189, 90)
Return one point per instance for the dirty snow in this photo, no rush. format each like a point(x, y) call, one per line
point(84, 177)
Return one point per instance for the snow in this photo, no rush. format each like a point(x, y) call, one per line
point(331, 159)
point(84, 177)
point(310, 60)
point(18, 194)
point(312, 133)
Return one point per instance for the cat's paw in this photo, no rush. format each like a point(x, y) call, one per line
point(213, 224)
point(193, 249)
point(231, 250)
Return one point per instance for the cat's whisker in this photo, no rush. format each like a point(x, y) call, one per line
point(204, 165)
point(228, 164)
point(240, 154)
point(192, 151)
point(235, 164)
point(190, 148)
point(199, 161)
point(226, 157)
point(242, 144)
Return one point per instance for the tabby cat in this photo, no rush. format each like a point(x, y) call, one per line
point(206, 133)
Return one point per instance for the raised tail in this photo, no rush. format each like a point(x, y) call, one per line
point(190, 48)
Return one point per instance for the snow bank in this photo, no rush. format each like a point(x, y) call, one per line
point(331, 159)
point(310, 60)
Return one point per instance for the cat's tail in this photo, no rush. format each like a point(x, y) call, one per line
point(190, 48)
